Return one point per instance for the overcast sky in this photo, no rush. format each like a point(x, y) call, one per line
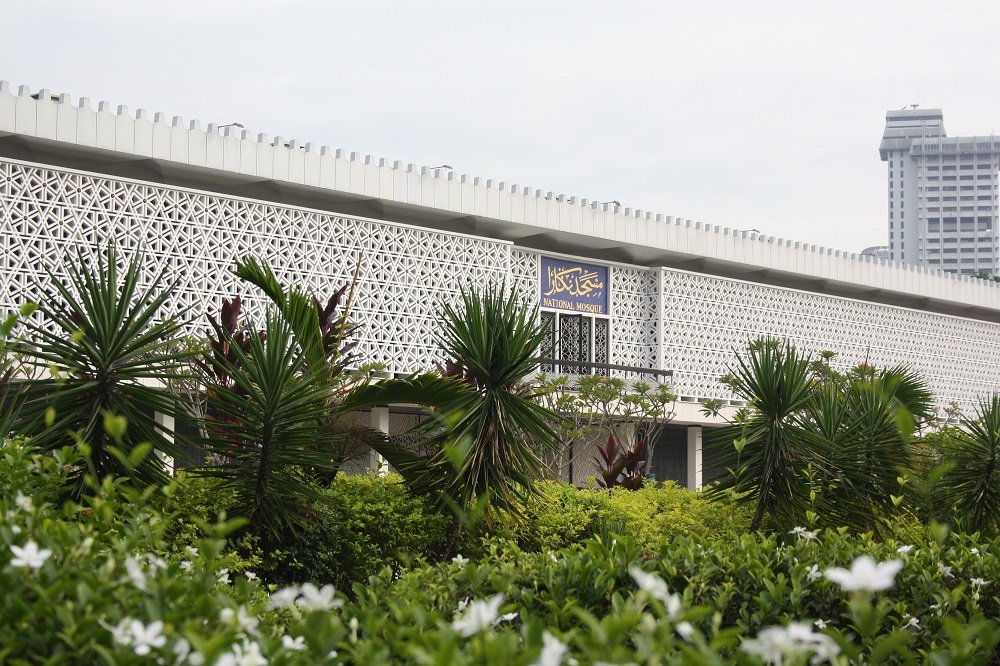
point(749, 114)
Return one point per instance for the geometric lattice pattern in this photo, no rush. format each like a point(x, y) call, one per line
point(406, 273)
point(660, 318)
point(524, 275)
point(634, 326)
point(705, 318)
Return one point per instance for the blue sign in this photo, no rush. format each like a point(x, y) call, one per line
point(570, 285)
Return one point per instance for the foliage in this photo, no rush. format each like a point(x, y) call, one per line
point(621, 466)
point(11, 389)
point(273, 418)
point(276, 398)
point(105, 586)
point(943, 602)
point(103, 560)
point(562, 516)
point(973, 483)
point(379, 524)
point(614, 415)
point(766, 452)
point(817, 446)
point(106, 350)
point(487, 432)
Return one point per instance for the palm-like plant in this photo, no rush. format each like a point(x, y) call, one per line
point(109, 356)
point(492, 344)
point(972, 486)
point(12, 389)
point(768, 450)
point(271, 418)
point(276, 396)
point(864, 421)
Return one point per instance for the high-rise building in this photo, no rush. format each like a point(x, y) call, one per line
point(942, 194)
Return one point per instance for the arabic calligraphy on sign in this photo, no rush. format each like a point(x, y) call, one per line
point(575, 281)
point(573, 286)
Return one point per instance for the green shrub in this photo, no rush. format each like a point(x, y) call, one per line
point(361, 525)
point(562, 515)
point(99, 583)
point(380, 524)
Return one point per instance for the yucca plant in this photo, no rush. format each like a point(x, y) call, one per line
point(277, 397)
point(12, 386)
point(488, 433)
point(767, 452)
point(972, 486)
point(268, 418)
point(109, 355)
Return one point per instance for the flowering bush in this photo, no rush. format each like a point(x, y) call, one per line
point(99, 583)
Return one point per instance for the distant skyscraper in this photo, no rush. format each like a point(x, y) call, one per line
point(942, 194)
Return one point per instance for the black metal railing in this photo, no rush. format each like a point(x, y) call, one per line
point(588, 365)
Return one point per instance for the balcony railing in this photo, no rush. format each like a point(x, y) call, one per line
point(591, 366)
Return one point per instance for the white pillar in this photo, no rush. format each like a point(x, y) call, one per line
point(379, 422)
point(694, 457)
point(166, 422)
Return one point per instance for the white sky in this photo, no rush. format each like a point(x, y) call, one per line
point(754, 114)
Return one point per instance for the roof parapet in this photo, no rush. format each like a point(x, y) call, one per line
point(232, 148)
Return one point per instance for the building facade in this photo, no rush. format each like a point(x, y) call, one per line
point(942, 194)
point(628, 292)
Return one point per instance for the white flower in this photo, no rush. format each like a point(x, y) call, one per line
point(156, 562)
point(552, 556)
point(184, 655)
point(865, 574)
point(461, 605)
point(672, 604)
point(133, 566)
point(775, 644)
point(285, 597)
point(223, 576)
point(507, 617)
point(192, 551)
point(813, 573)
point(903, 550)
point(553, 651)
point(23, 502)
point(657, 587)
point(937, 608)
point(322, 598)
point(685, 629)
point(295, 644)
point(186, 565)
point(120, 633)
point(803, 533)
point(944, 570)
point(974, 551)
point(913, 622)
point(247, 623)
point(250, 575)
point(478, 615)
point(247, 654)
point(31, 556)
point(979, 582)
point(459, 560)
point(821, 624)
point(145, 638)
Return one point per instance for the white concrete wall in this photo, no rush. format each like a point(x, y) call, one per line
point(231, 149)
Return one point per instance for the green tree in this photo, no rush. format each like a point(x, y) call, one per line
point(486, 435)
point(767, 451)
point(276, 398)
point(608, 414)
point(109, 356)
point(972, 486)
